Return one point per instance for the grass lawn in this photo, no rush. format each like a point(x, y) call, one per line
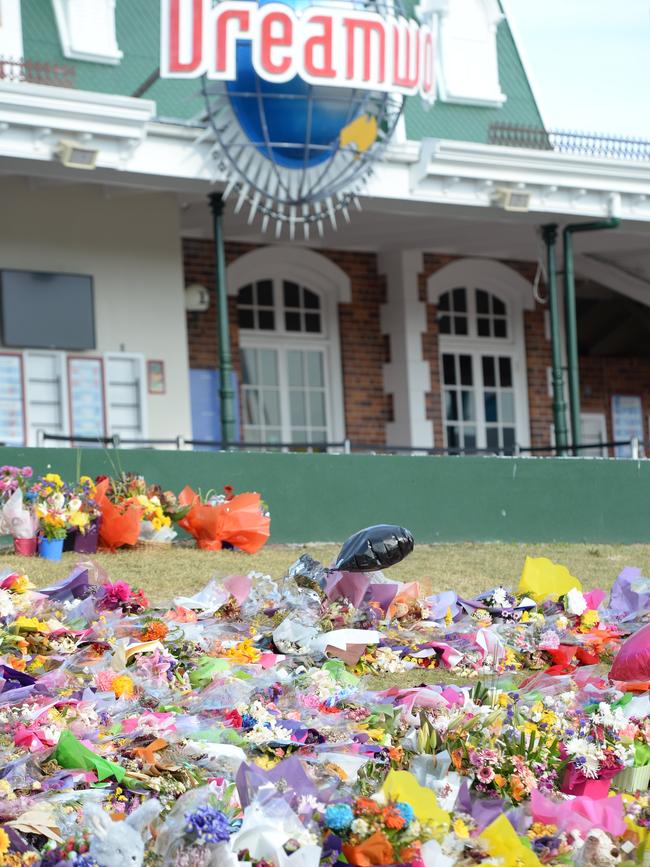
point(467, 568)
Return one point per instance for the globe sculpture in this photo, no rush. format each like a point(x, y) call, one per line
point(298, 153)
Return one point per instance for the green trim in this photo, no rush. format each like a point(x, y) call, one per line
point(327, 497)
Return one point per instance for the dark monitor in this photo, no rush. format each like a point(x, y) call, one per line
point(39, 310)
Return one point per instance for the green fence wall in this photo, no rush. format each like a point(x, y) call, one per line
point(323, 498)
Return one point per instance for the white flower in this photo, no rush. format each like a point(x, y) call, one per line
point(74, 505)
point(575, 603)
point(57, 500)
point(500, 597)
point(6, 605)
point(360, 827)
point(309, 802)
point(561, 622)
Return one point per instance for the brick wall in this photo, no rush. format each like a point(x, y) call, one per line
point(601, 378)
point(363, 347)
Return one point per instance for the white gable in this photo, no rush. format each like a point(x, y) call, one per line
point(11, 31)
point(87, 30)
point(469, 69)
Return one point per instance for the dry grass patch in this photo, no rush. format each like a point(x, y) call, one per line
point(467, 568)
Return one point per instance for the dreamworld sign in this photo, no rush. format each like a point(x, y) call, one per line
point(330, 45)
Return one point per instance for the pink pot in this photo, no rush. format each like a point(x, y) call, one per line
point(26, 547)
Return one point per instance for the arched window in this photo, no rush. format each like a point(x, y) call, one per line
point(287, 311)
point(482, 356)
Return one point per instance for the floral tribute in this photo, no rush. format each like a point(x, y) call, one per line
point(124, 511)
point(325, 719)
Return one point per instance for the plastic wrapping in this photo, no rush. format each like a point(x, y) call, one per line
point(239, 521)
point(120, 526)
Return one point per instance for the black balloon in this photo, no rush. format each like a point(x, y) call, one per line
point(374, 548)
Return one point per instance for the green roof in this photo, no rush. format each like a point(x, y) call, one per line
point(138, 28)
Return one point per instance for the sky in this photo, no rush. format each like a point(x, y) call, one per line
point(590, 61)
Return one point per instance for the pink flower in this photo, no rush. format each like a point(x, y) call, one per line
point(485, 774)
point(120, 590)
point(549, 640)
point(104, 681)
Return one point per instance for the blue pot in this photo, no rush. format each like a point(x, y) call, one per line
point(50, 549)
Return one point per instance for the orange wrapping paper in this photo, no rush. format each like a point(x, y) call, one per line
point(376, 850)
point(118, 526)
point(238, 521)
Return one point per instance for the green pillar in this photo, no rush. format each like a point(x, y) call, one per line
point(549, 233)
point(571, 323)
point(226, 393)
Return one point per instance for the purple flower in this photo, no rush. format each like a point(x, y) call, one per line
point(208, 824)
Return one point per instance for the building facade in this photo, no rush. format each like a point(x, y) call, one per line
point(421, 323)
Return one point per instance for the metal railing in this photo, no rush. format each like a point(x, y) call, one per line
point(36, 72)
point(636, 446)
point(569, 142)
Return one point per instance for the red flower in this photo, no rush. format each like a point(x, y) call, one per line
point(233, 719)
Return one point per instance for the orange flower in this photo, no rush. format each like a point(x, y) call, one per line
point(123, 686)
point(393, 818)
point(366, 805)
point(16, 663)
point(499, 780)
point(155, 631)
point(457, 759)
point(395, 754)
point(182, 615)
point(517, 788)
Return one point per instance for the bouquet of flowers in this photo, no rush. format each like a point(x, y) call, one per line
point(377, 831)
point(12, 479)
point(239, 521)
point(121, 514)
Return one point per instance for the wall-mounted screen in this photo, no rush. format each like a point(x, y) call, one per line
point(39, 310)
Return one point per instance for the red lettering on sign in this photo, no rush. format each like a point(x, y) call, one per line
point(368, 28)
point(323, 43)
point(175, 65)
point(283, 22)
point(242, 18)
point(406, 54)
point(427, 63)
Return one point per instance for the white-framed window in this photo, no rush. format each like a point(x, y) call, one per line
point(284, 356)
point(287, 313)
point(87, 30)
point(11, 30)
point(483, 387)
point(469, 63)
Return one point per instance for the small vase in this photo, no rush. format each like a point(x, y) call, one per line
point(50, 549)
point(575, 783)
point(26, 547)
point(86, 543)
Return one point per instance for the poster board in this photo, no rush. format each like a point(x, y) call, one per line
point(12, 400)
point(86, 393)
point(627, 422)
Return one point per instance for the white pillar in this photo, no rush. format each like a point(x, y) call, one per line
point(407, 377)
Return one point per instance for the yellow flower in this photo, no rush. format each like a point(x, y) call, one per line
point(460, 829)
point(6, 790)
point(525, 617)
point(529, 728)
point(22, 584)
point(266, 762)
point(78, 519)
point(5, 842)
point(54, 479)
point(87, 482)
point(123, 686)
point(30, 624)
point(589, 619)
